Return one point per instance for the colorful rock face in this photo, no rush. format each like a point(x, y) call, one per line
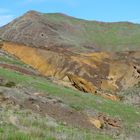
point(62, 49)
point(89, 72)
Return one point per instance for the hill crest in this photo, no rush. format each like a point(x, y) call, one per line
point(45, 30)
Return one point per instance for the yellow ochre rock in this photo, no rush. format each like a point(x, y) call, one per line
point(88, 72)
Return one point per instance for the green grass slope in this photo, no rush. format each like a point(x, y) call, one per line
point(106, 36)
point(34, 126)
point(128, 114)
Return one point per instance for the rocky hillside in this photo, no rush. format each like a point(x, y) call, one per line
point(101, 73)
point(33, 107)
point(59, 30)
point(49, 43)
point(48, 62)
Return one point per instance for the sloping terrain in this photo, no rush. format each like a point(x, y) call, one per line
point(47, 64)
point(101, 73)
point(32, 107)
point(46, 30)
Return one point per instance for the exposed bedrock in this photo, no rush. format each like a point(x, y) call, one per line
point(89, 72)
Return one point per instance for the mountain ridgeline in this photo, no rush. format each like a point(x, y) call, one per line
point(59, 30)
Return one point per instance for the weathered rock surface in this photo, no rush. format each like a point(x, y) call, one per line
point(89, 72)
point(58, 46)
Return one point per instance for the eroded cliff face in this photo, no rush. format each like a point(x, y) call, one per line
point(101, 73)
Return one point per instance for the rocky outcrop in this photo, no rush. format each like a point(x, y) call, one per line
point(65, 48)
point(101, 73)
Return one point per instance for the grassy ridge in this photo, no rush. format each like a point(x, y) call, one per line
point(107, 36)
point(9, 60)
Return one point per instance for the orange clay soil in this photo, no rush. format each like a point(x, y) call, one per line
point(97, 72)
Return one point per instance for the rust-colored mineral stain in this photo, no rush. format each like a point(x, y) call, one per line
point(88, 72)
point(31, 56)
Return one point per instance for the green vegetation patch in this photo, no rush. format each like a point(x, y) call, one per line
point(10, 60)
point(31, 126)
point(128, 114)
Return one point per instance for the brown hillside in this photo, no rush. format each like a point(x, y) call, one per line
point(48, 30)
point(96, 73)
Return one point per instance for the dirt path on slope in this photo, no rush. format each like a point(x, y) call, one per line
point(59, 111)
point(69, 116)
point(18, 69)
point(43, 104)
